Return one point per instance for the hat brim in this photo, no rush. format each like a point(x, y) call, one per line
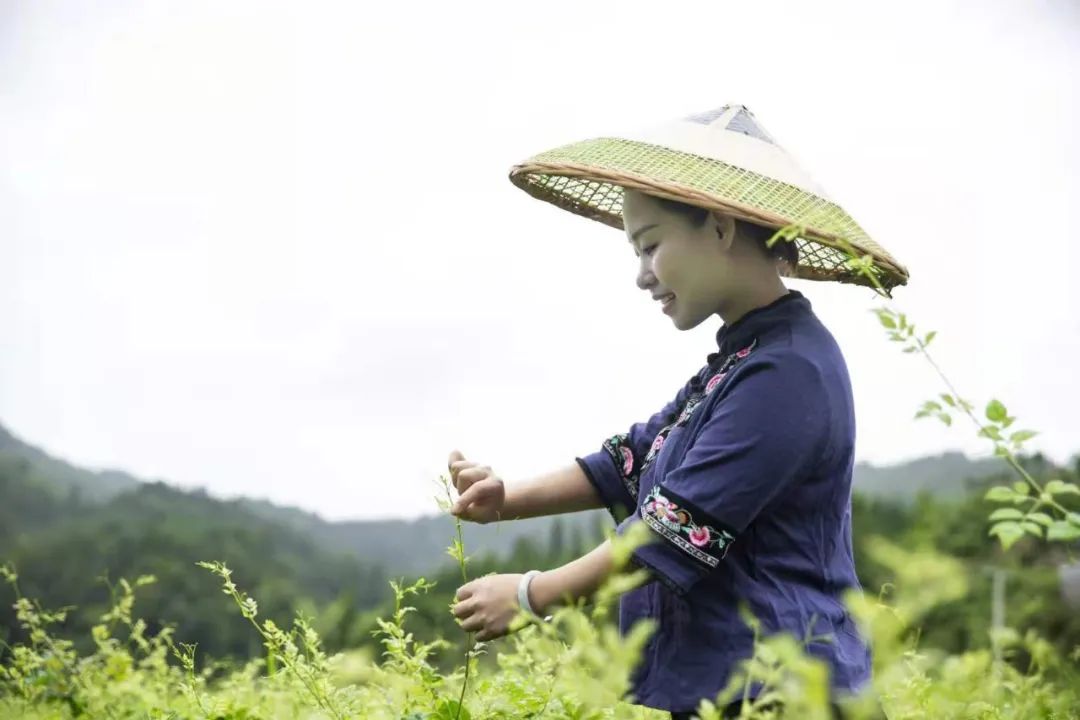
point(588, 178)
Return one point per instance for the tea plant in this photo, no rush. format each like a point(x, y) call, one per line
point(1044, 515)
point(576, 665)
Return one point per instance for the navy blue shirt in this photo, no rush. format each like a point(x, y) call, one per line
point(745, 478)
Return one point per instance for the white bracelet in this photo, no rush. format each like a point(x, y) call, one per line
point(523, 591)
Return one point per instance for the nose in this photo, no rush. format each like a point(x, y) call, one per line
point(645, 278)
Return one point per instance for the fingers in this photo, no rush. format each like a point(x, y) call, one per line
point(477, 492)
point(455, 456)
point(470, 619)
point(470, 475)
point(473, 624)
point(465, 608)
point(466, 611)
point(458, 467)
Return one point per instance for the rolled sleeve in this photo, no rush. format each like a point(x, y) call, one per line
point(615, 469)
point(767, 432)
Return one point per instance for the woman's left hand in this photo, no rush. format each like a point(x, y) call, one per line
point(487, 605)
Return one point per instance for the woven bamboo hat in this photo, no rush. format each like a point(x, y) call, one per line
point(721, 160)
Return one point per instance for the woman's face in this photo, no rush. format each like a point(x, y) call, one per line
point(686, 265)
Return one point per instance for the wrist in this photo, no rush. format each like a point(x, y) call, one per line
point(511, 502)
point(540, 592)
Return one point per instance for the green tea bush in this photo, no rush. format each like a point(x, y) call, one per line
point(576, 666)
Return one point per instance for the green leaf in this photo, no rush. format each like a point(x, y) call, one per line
point(929, 337)
point(911, 349)
point(990, 432)
point(1032, 528)
point(886, 319)
point(450, 710)
point(1022, 435)
point(1062, 530)
point(1059, 487)
point(1074, 518)
point(1006, 514)
point(948, 399)
point(1001, 493)
point(931, 405)
point(995, 411)
point(1008, 532)
point(1041, 518)
point(1021, 487)
point(945, 418)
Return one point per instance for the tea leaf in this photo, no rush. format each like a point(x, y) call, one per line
point(1008, 533)
point(1032, 528)
point(995, 411)
point(1060, 487)
point(1021, 435)
point(1041, 518)
point(1000, 493)
point(1062, 530)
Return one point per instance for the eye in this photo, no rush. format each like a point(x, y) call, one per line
point(650, 250)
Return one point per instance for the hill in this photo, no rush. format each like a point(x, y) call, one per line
point(419, 544)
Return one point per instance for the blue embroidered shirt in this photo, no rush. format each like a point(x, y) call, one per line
point(745, 477)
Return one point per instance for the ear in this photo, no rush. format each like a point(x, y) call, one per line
point(724, 227)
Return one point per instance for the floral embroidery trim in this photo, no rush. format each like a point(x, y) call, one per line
point(622, 455)
point(688, 410)
point(682, 523)
point(657, 445)
point(692, 403)
point(725, 367)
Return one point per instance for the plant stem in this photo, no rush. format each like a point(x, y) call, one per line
point(1004, 452)
point(464, 579)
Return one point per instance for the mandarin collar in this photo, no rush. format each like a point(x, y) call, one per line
point(733, 337)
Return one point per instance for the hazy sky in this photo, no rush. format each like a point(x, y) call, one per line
point(271, 248)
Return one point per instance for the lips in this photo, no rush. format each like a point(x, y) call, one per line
point(666, 301)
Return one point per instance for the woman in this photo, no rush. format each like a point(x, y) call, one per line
point(745, 476)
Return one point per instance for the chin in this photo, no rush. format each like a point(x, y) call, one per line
point(681, 322)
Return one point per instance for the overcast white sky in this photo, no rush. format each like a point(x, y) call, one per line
point(271, 248)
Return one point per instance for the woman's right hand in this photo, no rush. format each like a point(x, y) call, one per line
point(482, 494)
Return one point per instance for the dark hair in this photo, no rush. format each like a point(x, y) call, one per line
point(697, 216)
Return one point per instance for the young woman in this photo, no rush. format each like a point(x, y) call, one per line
point(745, 476)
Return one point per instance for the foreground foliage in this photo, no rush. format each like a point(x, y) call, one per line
point(576, 666)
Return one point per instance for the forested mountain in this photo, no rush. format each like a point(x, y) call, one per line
point(419, 544)
point(71, 532)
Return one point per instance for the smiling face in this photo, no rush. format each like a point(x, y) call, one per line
point(696, 260)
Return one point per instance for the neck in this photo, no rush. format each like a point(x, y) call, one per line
point(755, 295)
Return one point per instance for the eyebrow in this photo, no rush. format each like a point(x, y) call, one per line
point(641, 231)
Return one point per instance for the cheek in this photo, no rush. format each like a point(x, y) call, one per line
point(669, 270)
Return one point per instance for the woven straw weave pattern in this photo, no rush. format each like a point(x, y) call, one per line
point(587, 178)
